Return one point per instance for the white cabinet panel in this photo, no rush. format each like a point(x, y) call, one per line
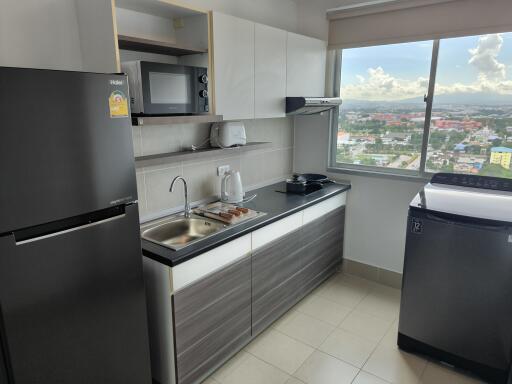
point(318, 210)
point(305, 63)
point(274, 231)
point(233, 45)
point(270, 71)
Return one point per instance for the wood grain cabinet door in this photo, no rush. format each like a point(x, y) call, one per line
point(212, 320)
point(322, 249)
point(275, 284)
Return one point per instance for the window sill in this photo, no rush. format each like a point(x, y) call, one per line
point(384, 175)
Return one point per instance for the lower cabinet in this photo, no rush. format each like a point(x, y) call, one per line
point(288, 268)
point(216, 312)
point(322, 248)
point(275, 284)
point(212, 320)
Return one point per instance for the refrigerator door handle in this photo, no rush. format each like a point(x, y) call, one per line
point(58, 233)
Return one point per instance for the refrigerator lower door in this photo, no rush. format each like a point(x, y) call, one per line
point(456, 294)
point(73, 305)
point(3, 367)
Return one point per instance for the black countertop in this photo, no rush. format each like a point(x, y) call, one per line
point(277, 205)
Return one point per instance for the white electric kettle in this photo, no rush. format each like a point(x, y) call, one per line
point(231, 188)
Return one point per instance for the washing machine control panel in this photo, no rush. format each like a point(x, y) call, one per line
point(473, 181)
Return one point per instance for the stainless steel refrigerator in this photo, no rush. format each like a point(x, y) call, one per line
point(72, 305)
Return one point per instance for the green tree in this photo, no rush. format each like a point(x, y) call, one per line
point(497, 142)
point(496, 170)
point(474, 149)
point(437, 140)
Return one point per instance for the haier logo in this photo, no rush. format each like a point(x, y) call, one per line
point(116, 82)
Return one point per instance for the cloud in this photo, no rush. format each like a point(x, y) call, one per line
point(485, 57)
point(379, 85)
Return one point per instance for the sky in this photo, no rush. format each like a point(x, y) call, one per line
point(472, 64)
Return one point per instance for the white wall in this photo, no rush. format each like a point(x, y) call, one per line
point(39, 33)
point(376, 208)
point(312, 18)
point(276, 13)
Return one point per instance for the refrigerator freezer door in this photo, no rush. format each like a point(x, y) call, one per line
point(457, 290)
point(65, 145)
point(73, 305)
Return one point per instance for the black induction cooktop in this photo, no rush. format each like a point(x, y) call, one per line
point(310, 188)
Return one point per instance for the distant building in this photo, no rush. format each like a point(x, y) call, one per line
point(462, 168)
point(343, 137)
point(396, 138)
point(501, 156)
point(460, 147)
point(457, 125)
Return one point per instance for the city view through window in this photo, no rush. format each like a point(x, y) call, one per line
point(382, 119)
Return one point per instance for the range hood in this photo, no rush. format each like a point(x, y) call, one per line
point(310, 105)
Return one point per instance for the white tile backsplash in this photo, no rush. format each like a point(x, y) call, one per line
point(258, 168)
point(160, 139)
point(137, 141)
point(157, 189)
point(201, 180)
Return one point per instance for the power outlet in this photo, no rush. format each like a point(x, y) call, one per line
point(222, 170)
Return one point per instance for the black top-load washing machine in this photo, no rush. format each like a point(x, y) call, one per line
point(456, 301)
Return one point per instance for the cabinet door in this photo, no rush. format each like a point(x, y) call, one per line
point(322, 250)
point(212, 320)
point(305, 66)
point(233, 58)
point(270, 72)
point(275, 284)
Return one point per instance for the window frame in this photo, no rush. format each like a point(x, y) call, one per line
point(367, 170)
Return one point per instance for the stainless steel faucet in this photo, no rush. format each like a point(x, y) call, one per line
point(188, 211)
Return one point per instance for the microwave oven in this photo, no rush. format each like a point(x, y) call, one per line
point(166, 89)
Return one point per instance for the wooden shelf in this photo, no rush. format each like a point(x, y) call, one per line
point(166, 120)
point(149, 160)
point(140, 44)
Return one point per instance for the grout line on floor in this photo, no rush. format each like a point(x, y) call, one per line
point(316, 349)
point(266, 362)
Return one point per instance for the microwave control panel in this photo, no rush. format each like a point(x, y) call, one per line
point(202, 101)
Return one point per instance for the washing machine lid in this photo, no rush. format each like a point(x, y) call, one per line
point(470, 196)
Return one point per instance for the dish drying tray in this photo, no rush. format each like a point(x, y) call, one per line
point(221, 211)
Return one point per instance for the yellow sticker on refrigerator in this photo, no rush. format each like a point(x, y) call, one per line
point(118, 104)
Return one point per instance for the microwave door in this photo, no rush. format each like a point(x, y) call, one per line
point(168, 89)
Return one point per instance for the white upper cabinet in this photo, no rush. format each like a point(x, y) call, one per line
point(233, 44)
point(256, 66)
point(270, 72)
point(305, 66)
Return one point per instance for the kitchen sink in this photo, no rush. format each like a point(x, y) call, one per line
point(179, 232)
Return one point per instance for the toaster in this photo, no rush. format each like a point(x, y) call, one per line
point(227, 134)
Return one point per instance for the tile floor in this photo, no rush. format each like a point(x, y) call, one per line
point(344, 332)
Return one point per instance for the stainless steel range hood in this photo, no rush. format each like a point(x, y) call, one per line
point(310, 105)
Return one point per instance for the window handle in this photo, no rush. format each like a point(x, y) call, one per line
point(425, 98)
